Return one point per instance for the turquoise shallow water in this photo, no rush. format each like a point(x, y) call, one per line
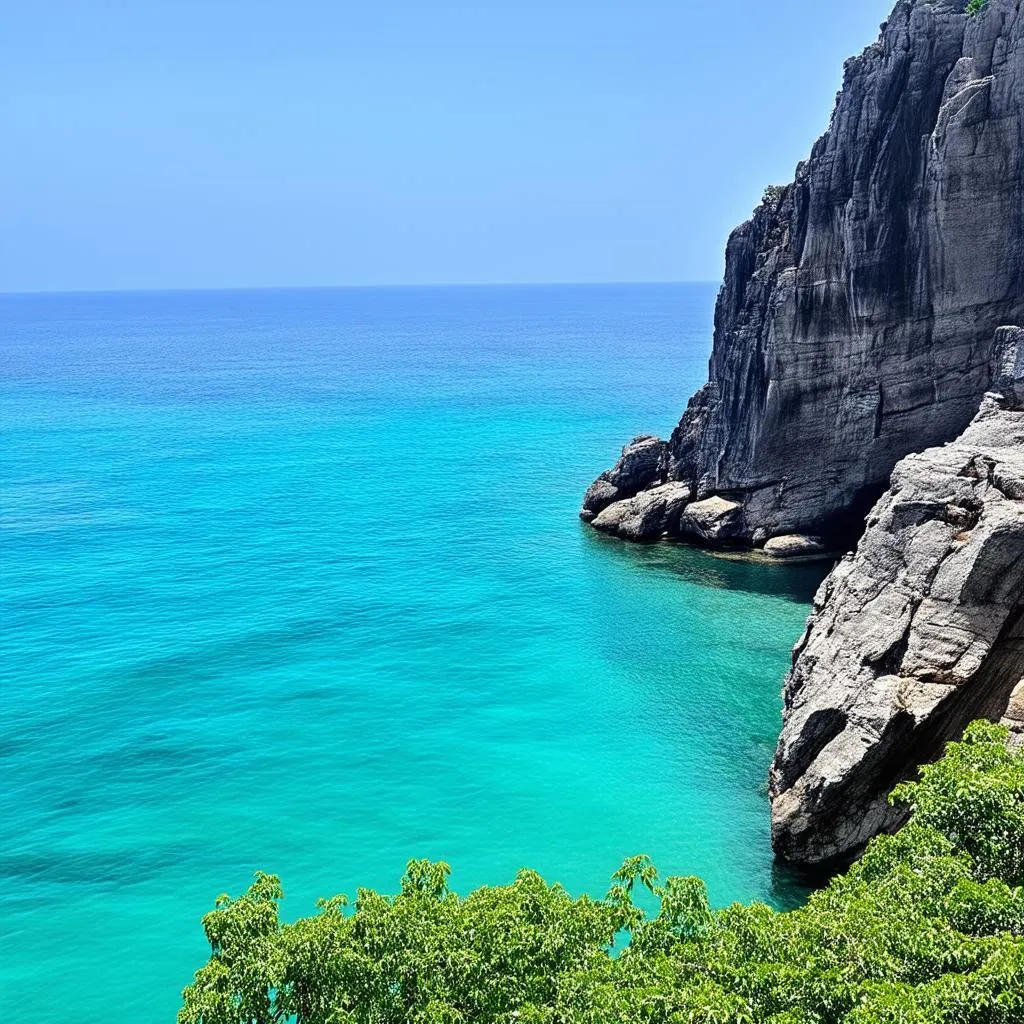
point(294, 581)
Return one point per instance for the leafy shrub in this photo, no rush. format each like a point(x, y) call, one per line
point(926, 928)
point(976, 5)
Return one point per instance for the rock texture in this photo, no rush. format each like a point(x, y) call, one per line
point(1014, 717)
point(713, 521)
point(641, 465)
point(855, 322)
point(913, 636)
point(795, 545)
point(648, 516)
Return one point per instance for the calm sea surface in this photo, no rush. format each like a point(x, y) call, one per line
point(294, 581)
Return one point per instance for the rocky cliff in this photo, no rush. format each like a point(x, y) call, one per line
point(914, 635)
point(856, 318)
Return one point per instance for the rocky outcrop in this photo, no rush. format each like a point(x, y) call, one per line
point(714, 521)
point(795, 545)
point(914, 635)
point(641, 465)
point(1014, 717)
point(650, 515)
point(855, 322)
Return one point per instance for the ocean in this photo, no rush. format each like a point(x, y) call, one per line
point(294, 581)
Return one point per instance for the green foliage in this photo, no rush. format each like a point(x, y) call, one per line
point(976, 5)
point(973, 796)
point(927, 928)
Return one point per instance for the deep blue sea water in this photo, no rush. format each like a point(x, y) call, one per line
point(293, 580)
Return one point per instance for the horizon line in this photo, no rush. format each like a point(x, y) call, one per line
point(345, 287)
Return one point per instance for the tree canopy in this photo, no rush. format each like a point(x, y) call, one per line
point(926, 928)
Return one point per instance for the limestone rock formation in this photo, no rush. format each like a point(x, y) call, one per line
point(914, 635)
point(1014, 717)
point(641, 465)
point(713, 521)
point(795, 545)
point(855, 322)
point(1008, 364)
point(647, 516)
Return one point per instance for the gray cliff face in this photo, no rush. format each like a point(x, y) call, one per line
point(856, 318)
point(914, 635)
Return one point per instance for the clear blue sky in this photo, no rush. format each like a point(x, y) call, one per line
point(220, 143)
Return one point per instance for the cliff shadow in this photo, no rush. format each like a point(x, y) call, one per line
point(793, 581)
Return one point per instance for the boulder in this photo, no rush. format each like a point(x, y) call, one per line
point(640, 466)
point(1014, 717)
point(713, 521)
point(1008, 365)
point(794, 545)
point(647, 516)
point(599, 496)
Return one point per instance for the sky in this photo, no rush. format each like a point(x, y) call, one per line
point(249, 143)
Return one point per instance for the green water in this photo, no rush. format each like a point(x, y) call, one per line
point(294, 581)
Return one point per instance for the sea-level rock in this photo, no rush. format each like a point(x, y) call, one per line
point(855, 322)
point(914, 635)
point(641, 465)
point(714, 521)
point(647, 516)
point(795, 545)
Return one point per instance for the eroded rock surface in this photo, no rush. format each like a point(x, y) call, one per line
point(713, 521)
point(795, 545)
point(1014, 717)
point(647, 516)
point(914, 635)
point(855, 322)
point(641, 465)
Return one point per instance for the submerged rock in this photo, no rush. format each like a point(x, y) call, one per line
point(647, 516)
point(914, 635)
point(855, 322)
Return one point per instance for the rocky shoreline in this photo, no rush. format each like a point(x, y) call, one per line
point(855, 322)
point(862, 320)
point(914, 635)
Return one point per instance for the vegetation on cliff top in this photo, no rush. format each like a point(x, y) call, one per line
point(928, 927)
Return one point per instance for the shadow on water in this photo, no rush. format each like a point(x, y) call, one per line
point(793, 581)
point(791, 887)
